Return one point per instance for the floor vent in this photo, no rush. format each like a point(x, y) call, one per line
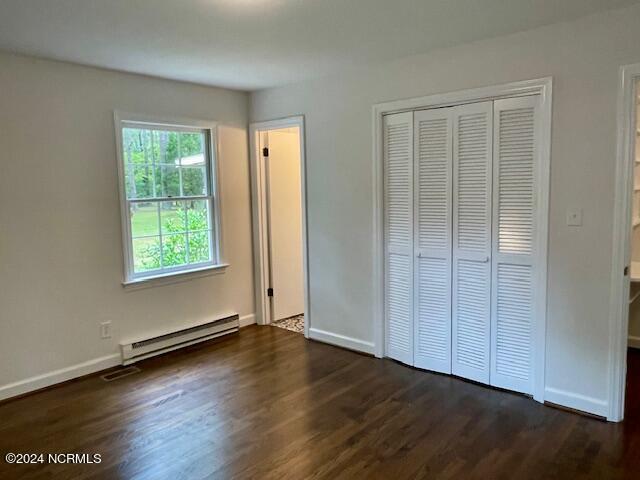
point(166, 342)
point(123, 372)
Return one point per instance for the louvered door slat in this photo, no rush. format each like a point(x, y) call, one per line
point(432, 170)
point(398, 204)
point(472, 159)
point(513, 253)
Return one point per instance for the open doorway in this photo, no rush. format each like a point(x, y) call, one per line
point(624, 387)
point(632, 404)
point(279, 216)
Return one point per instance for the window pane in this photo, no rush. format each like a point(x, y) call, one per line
point(172, 217)
point(167, 146)
point(199, 247)
point(174, 250)
point(129, 184)
point(198, 215)
point(136, 145)
point(144, 219)
point(194, 181)
point(168, 181)
point(146, 254)
point(192, 149)
point(139, 180)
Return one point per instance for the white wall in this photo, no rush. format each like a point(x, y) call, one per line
point(61, 263)
point(584, 58)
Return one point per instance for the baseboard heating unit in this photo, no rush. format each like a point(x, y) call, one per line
point(150, 347)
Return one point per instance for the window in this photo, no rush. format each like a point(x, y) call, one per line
point(168, 178)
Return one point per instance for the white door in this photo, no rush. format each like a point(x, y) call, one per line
point(460, 234)
point(285, 222)
point(398, 233)
point(514, 204)
point(471, 292)
point(432, 239)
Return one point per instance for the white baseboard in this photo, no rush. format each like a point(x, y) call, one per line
point(341, 341)
point(576, 401)
point(247, 320)
point(633, 342)
point(58, 376)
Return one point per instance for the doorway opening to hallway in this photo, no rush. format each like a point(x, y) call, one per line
point(280, 223)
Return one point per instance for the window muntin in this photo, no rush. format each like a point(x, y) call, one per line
point(169, 198)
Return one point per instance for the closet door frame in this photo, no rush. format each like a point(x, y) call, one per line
point(541, 87)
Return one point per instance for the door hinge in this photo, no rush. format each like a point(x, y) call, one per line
point(626, 270)
point(265, 152)
point(269, 292)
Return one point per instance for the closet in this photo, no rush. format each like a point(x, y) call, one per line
point(459, 201)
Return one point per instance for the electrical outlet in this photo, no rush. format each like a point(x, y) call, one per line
point(105, 330)
point(574, 217)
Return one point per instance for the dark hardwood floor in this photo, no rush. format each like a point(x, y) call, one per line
point(269, 404)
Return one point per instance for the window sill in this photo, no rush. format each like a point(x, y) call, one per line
point(174, 277)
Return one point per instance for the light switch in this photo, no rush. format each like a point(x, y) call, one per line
point(574, 217)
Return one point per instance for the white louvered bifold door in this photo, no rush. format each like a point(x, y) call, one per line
point(432, 171)
point(398, 231)
point(514, 201)
point(471, 289)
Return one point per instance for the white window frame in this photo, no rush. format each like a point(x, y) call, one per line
point(168, 275)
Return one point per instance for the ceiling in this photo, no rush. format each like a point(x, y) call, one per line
point(253, 44)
